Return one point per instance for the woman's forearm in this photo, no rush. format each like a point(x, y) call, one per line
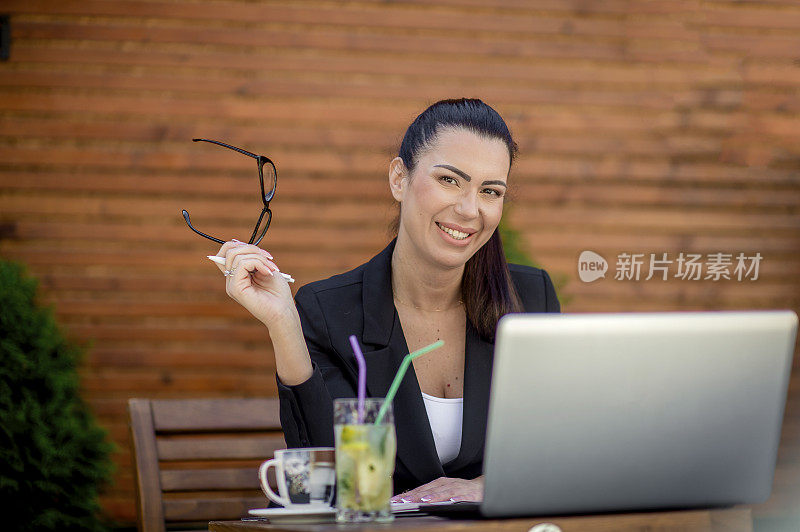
point(292, 361)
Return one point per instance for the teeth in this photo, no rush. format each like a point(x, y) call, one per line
point(458, 235)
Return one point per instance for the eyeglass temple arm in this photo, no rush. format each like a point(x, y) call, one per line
point(245, 152)
point(189, 223)
point(264, 232)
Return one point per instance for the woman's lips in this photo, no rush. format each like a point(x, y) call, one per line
point(456, 227)
point(453, 236)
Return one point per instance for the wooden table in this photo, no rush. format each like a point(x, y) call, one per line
point(729, 520)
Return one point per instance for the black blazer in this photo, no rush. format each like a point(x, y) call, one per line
point(360, 302)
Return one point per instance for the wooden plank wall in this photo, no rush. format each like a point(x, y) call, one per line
point(644, 127)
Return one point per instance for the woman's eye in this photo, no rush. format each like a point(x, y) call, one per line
point(448, 179)
point(492, 192)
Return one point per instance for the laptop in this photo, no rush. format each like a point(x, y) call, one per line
point(594, 413)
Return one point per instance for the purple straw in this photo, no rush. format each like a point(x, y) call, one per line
point(362, 376)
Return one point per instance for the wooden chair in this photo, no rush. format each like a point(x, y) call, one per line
point(197, 460)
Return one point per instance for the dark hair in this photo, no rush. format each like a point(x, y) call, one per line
point(486, 288)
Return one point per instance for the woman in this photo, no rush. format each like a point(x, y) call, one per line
point(443, 277)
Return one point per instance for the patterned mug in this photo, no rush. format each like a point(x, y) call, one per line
point(305, 477)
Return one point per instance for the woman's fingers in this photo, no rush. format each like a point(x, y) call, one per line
point(250, 281)
point(231, 249)
point(247, 263)
point(250, 248)
point(426, 490)
point(222, 252)
point(249, 273)
point(441, 492)
point(443, 489)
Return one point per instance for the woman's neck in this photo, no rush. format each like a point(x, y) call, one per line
point(421, 284)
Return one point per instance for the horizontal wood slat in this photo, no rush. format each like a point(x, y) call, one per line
point(207, 508)
point(291, 61)
point(210, 479)
point(327, 37)
point(376, 17)
point(126, 357)
point(180, 383)
point(247, 447)
point(225, 414)
point(648, 98)
point(227, 107)
point(392, 114)
point(199, 161)
point(316, 137)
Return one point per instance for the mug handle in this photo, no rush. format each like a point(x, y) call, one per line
point(262, 478)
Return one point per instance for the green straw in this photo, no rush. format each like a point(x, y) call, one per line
point(401, 371)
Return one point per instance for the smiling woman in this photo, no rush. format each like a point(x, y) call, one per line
point(444, 277)
point(447, 144)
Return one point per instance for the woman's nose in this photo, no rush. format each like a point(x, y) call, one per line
point(467, 206)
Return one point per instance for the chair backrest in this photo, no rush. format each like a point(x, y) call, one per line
point(196, 460)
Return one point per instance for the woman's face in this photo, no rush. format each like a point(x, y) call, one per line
point(453, 200)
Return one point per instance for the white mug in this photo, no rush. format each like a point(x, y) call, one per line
point(305, 477)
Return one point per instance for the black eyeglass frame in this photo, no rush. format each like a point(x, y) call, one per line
point(261, 160)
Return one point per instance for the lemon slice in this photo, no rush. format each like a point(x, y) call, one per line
point(352, 432)
point(355, 447)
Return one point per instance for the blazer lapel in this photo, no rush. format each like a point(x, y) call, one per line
point(384, 349)
point(477, 383)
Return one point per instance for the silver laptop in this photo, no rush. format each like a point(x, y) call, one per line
point(618, 412)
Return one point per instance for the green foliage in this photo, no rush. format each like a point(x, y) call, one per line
point(53, 456)
point(512, 245)
point(515, 252)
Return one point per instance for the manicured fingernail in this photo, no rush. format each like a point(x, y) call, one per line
point(234, 240)
point(424, 499)
point(267, 253)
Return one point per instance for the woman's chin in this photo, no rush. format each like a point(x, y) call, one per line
point(452, 257)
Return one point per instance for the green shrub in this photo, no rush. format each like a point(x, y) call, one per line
point(54, 457)
point(512, 244)
point(515, 252)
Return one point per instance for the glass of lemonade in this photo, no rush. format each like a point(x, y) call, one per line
point(365, 455)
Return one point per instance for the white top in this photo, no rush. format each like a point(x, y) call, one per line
point(445, 416)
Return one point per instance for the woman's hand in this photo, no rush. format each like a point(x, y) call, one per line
point(250, 280)
point(445, 489)
point(253, 285)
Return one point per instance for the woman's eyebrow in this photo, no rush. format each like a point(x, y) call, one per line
point(467, 177)
point(454, 170)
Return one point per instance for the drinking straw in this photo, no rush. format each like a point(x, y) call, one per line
point(362, 376)
point(401, 371)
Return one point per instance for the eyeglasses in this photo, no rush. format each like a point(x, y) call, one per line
point(266, 197)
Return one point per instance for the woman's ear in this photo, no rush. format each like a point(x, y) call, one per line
point(398, 178)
